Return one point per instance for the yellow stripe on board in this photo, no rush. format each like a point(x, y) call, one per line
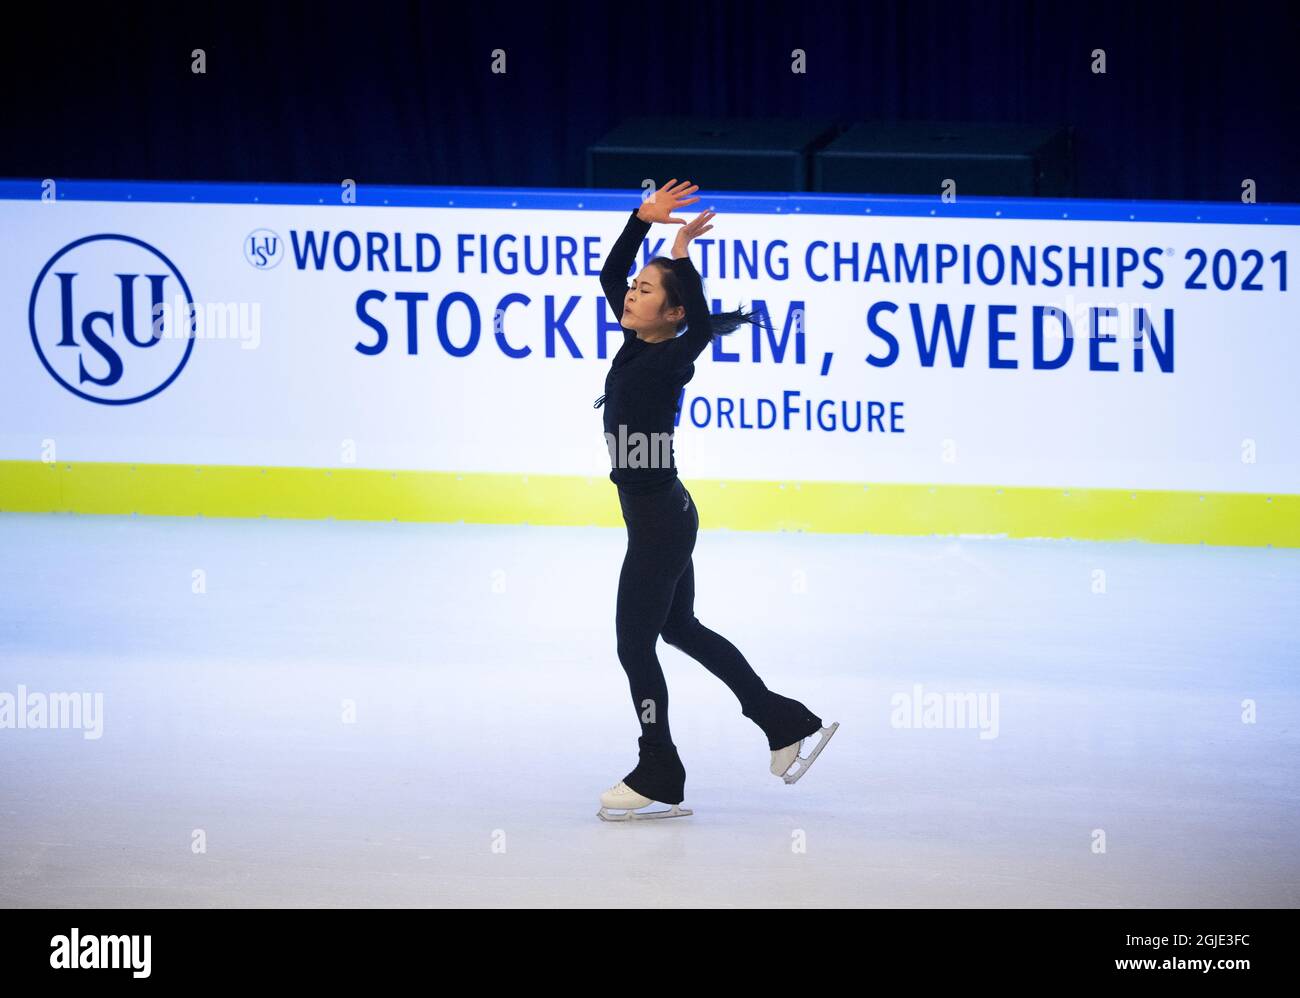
point(1167, 517)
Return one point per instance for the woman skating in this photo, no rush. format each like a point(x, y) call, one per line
point(656, 588)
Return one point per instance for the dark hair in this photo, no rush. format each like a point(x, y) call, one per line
point(722, 322)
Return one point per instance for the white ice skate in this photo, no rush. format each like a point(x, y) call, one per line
point(624, 801)
point(783, 760)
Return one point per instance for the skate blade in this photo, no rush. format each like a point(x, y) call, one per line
point(673, 811)
point(803, 762)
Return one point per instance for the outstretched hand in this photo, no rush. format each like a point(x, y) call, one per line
point(660, 205)
point(697, 226)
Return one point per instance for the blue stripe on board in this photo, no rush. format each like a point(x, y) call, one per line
point(579, 199)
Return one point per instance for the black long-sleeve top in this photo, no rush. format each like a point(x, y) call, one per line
point(645, 379)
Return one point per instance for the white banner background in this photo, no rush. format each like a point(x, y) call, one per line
point(305, 392)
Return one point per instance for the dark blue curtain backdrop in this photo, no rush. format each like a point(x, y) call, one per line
point(1197, 97)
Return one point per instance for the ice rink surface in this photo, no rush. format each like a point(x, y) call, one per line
point(319, 713)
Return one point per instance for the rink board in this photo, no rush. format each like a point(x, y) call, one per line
point(1222, 518)
point(1028, 368)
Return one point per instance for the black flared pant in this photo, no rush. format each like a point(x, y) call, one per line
point(656, 597)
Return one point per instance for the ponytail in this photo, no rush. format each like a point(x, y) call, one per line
point(727, 322)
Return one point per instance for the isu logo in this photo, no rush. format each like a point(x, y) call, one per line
point(100, 324)
point(263, 249)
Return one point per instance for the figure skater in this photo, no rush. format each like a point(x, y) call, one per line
point(656, 587)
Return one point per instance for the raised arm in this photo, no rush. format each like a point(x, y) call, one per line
point(618, 264)
point(699, 327)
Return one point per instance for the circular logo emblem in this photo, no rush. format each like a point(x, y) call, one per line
point(263, 248)
point(112, 319)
